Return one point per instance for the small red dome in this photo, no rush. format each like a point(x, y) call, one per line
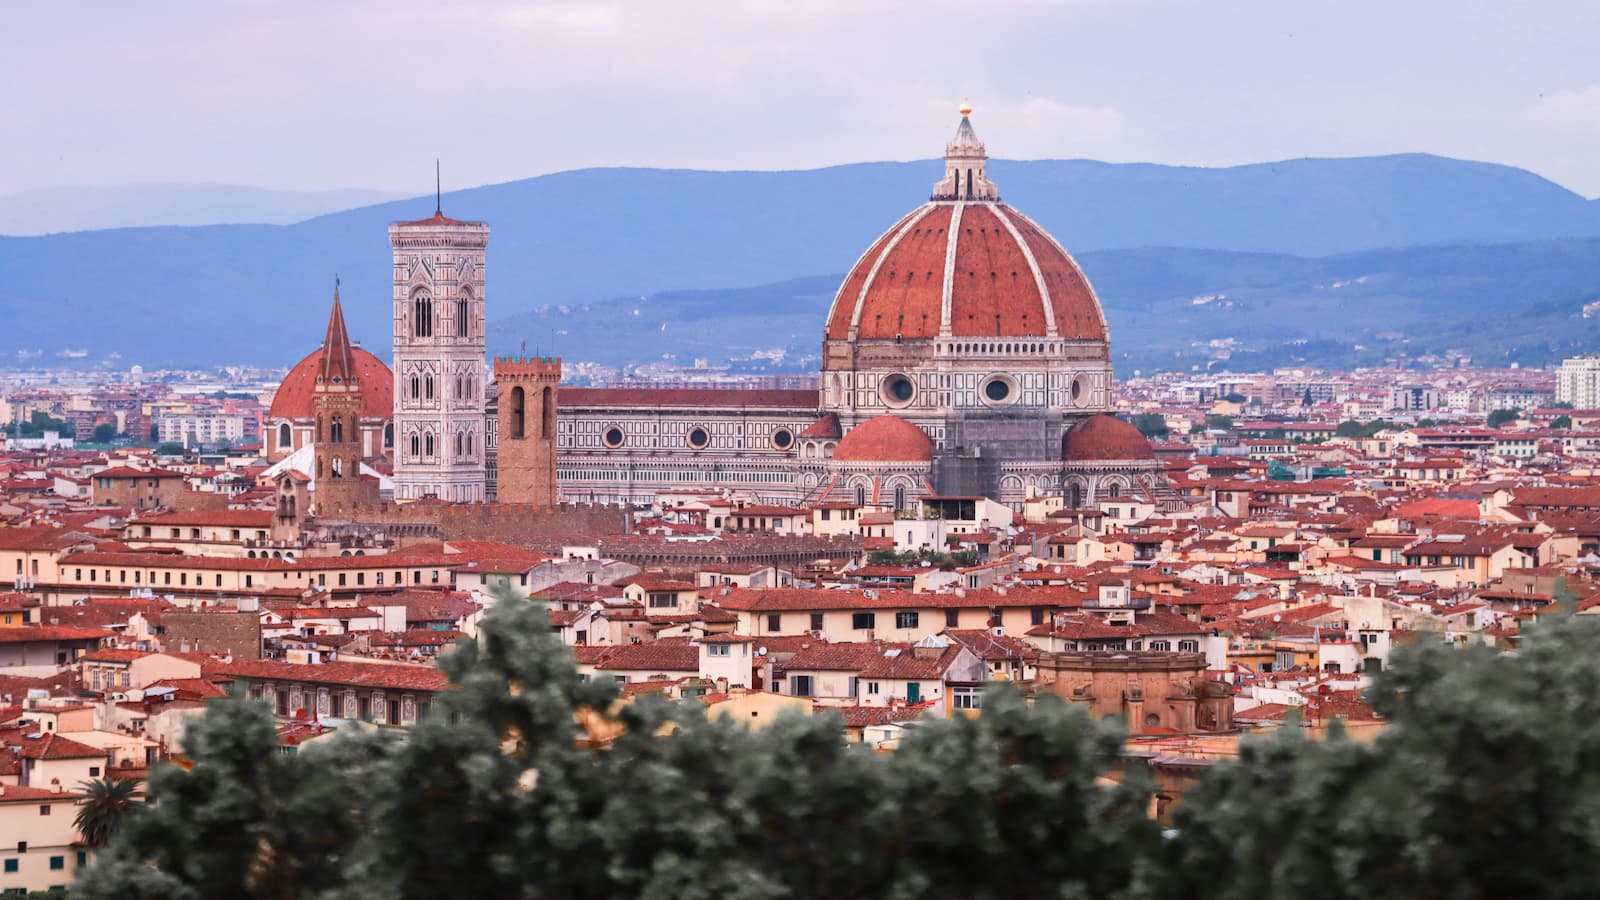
point(293, 399)
point(887, 438)
point(1104, 437)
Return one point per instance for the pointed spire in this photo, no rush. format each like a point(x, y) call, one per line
point(338, 361)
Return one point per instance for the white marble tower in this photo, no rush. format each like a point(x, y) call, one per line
point(439, 358)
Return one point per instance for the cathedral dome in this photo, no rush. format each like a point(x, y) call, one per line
point(887, 438)
point(1105, 438)
point(293, 399)
point(965, 265)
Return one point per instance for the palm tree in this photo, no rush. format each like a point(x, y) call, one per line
point(105, 802)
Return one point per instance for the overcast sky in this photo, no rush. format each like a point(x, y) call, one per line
point(365, 93)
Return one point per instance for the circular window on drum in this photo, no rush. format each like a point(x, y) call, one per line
point(783, 439)
point(698, 438)
point(999, 390)
point(898, 390)
point(612, 437)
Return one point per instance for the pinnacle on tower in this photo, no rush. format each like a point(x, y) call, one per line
point(338, 362)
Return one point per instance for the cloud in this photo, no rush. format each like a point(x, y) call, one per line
point(1572, 109)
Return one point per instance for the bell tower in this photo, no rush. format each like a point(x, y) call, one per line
point(526, 430)
point(439, 358)
point(336, 404)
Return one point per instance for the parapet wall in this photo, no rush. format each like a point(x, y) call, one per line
point(511, 523)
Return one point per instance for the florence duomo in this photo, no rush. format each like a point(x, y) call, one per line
point(965, 354)
point(817, 542)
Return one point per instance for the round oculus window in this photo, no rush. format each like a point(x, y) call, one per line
point(997, 390)
point(783, 439)
point(698, 438)
point(612, 437)
point(898, 390)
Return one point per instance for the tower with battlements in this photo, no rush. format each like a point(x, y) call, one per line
point(526, 429)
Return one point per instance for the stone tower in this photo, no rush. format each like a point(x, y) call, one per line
point(438, 358)
point(336, 403)
point(526, 429)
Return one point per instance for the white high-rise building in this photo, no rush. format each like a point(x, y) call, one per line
point(439, 358)
point(1578, 382)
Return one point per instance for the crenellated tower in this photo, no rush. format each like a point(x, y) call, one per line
point(526, 429)
point(336, 405)
point(439, 358)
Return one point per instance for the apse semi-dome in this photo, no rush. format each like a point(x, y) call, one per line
point(1104, 438)
point(293, 399)
point(887, 438)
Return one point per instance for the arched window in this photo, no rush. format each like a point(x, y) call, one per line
point(422, 314)
point(547, 414)
point(336, 434)
point(285, 437)
point(519, 413)
point(461, 316)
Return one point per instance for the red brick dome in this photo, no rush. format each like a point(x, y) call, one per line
point(1105, 438)
point(293, 399)
point(1006, 278)
point(887, 438)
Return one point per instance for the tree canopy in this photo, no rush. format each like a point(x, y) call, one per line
point(1485, 784)
point(1151, 425)
point(1502, 416)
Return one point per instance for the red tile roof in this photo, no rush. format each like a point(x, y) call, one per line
point(897, 288)
point(661, 656)
point(51, 633)
point(386, 676)
point(226, 518)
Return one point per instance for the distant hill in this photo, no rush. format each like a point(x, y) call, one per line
point(54, 210)
point(257, 293)
point(1498, 303)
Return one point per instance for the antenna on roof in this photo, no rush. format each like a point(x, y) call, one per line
point(438, 195)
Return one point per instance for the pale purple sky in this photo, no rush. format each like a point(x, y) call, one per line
point(365, 93)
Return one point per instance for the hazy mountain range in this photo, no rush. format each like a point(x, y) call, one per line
point(54, 210)
point(1320, 259)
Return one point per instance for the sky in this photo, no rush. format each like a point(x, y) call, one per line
point(366, 93)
